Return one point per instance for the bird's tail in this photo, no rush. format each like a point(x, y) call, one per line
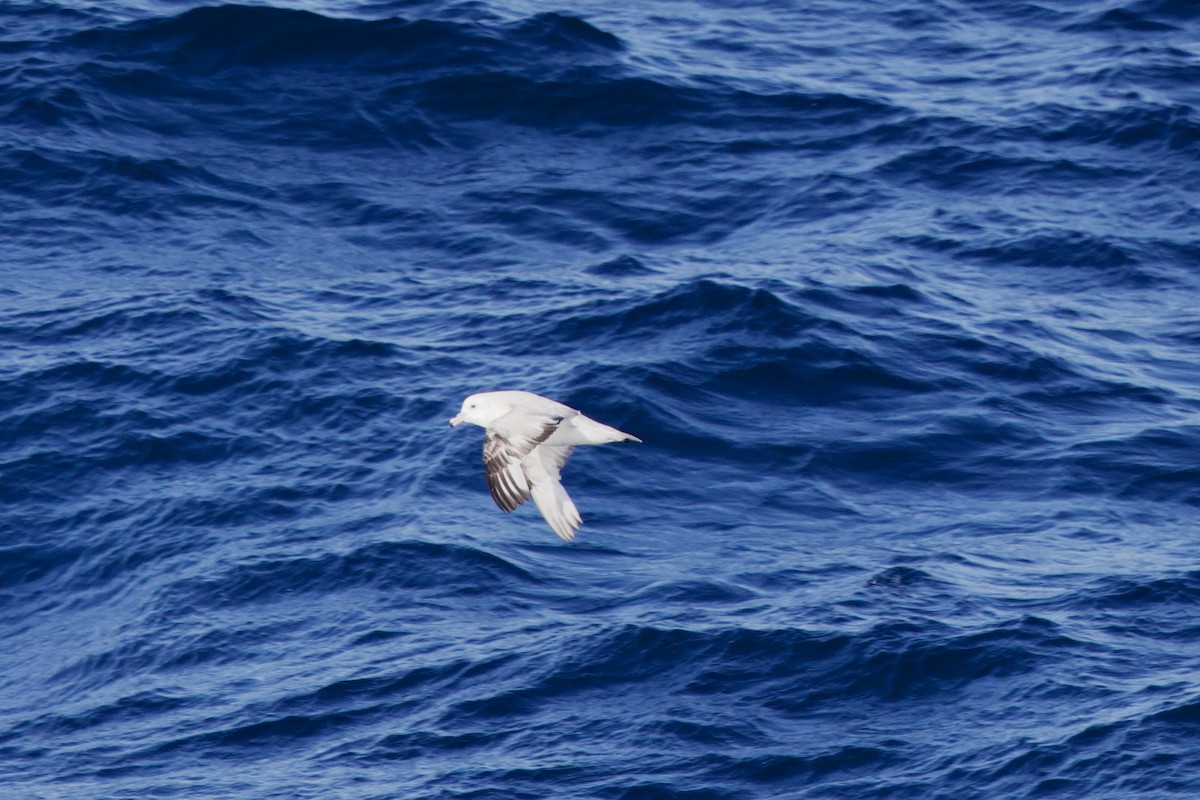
point(599, 433)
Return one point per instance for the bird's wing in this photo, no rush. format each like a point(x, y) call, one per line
point(509, 440)
point(542, 467)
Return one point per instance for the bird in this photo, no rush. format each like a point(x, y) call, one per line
point(527, 439)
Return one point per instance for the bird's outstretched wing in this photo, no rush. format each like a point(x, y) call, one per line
point(507, 442)
point(542, 468)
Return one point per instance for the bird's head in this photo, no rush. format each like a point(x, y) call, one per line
point(481, 409)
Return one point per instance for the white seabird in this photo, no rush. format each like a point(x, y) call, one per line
point(528, 439)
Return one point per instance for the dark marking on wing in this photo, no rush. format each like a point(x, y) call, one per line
point(502, 464)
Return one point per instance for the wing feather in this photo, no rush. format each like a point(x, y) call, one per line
point(542, 468)
point(506, 443)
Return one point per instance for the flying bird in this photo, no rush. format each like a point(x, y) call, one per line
point(527, 440)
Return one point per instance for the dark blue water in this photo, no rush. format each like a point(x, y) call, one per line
point(904, 299)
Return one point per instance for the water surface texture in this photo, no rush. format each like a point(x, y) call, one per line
point(904, 299)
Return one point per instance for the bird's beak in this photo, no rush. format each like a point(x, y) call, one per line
point(456, 421)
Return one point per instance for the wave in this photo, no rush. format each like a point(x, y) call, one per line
point(1142, 16)
point(390, 566)
point(207, 40)
point(219, 70)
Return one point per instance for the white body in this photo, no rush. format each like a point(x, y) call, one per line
point(528, 439)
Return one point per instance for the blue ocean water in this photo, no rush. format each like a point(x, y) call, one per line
point(903, 299)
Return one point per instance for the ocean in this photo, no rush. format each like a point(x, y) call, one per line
point(903, 299)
